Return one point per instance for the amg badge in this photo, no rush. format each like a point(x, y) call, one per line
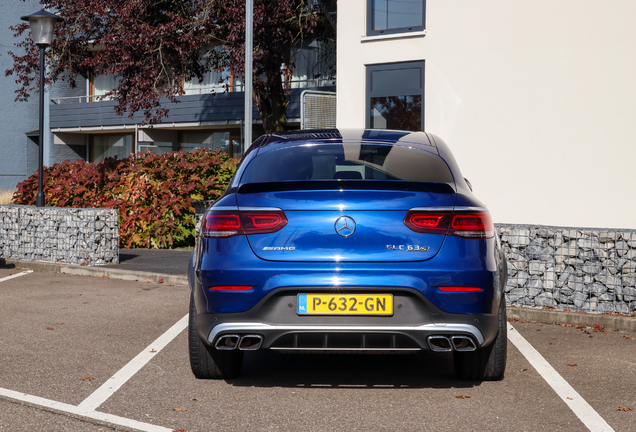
point(281, 248)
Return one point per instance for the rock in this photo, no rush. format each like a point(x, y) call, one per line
point(565, 275)
point(592, 267)
point(622, 248)
point(579, 299)
point(556, 241)
point(590, 305)
point(604, 307)
point(534, 249)
point(515, 294)
point(545, 300)
point(588, 243)
point(520, 279)
point(621, 307)
point(606, 297)
point(595, 288)
point(536, 267)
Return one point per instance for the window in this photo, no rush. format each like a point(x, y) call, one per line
point(105, 146)
point(102, 84)
point(395, 16)
point(395, 96)
point(351, 161)
point(212, 140)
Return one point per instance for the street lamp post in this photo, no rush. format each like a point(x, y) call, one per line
point(42, 32)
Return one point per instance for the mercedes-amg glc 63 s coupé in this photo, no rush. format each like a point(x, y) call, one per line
point(348, 241)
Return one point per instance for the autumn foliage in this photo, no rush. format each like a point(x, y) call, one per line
point(154, 193)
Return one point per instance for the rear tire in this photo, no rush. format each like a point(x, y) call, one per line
point(207, 362)
point(487, 363)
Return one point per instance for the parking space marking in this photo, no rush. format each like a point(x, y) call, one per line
point(82, 412)
point(16, 275)
point(113, 384)
point(584, 411)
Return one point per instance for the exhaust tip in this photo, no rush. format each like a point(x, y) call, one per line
point(227, 342)
point(439, 344)
point(463, 343)
point(250, 342)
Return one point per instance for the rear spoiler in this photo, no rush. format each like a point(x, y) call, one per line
point(396, 185)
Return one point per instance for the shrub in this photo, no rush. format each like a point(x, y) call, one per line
point(153, 193)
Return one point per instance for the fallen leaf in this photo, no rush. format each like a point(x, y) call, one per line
point(160, 281)
point(567, 325)
point(513, 319)
point(59, 323)
point(572, 364)
point(88, 379)
point(523, 370)
point(579, 326)
point(153, 350)
point(570, 398)
point(591, 336)
point(179, 409)
point(179, 430)
point(551, 343)
point(50, 328)
point(462, 397)
point(146, 281)
point(86, 302)
point(104, 276)
point(197, 399)
point(109, 335)
point(623, 409)
point(540, 325)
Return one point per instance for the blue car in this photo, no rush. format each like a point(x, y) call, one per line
point(345, 241)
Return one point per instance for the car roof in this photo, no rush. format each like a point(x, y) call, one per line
point(418, 140)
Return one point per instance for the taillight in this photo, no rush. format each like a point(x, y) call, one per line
point(224, 223)
point(469, 224)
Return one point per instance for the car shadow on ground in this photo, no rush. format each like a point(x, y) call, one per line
point(421, 370)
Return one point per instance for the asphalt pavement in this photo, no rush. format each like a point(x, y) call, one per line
point(80, 353)
point(167, 261)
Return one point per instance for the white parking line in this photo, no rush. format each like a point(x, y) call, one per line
point(83, 412)
point(16, 275)
point(590, 418)
point(113, 384)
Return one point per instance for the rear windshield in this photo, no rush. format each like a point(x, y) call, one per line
point(347, 162)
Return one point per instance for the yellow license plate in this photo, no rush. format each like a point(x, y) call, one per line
point(345, 304)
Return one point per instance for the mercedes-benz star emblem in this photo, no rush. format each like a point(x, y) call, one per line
point(345, 226)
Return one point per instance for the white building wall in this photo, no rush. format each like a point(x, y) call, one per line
point(537, 99)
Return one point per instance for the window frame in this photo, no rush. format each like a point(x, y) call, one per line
point(372, 32)
point(408, 91)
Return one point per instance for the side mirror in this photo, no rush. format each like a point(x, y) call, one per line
point(468, 183)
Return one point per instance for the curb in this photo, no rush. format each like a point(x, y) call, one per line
point(575, 318)
point(131, 275)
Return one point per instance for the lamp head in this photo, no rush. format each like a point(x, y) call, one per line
point(42, 27)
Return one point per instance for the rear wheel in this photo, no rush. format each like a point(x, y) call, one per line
point(487, 363)
point(207, 362)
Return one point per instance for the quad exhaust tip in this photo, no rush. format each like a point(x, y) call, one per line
point(451, 343)
point(250, 342)
point(244, 343)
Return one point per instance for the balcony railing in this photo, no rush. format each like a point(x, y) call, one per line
point(218, 88)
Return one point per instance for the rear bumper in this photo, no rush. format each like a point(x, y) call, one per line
point(414, 319)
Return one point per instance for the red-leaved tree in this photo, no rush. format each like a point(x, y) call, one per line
point(154, 46)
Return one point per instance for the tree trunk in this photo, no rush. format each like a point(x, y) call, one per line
point(271, 102)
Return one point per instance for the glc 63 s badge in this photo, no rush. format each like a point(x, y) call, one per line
point(408, 248)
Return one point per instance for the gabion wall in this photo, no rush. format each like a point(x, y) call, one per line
point(55, 234)
point(577, 269)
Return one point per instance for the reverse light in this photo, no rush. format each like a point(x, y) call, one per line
point(228, 223)
point(231, 288)
point(469, 224)
point(459, 289)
